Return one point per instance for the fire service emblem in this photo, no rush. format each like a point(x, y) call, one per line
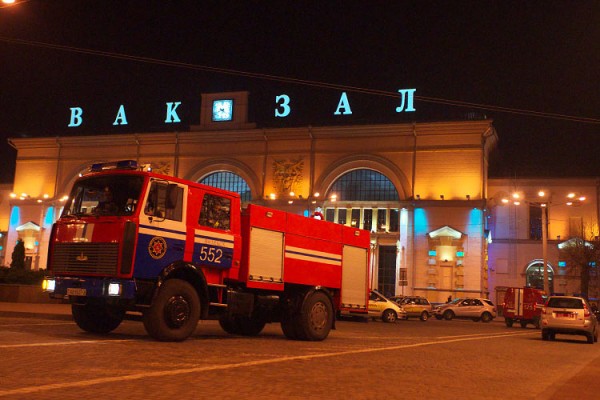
point(157, 247)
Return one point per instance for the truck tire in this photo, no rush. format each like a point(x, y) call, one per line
point(97, 318)
point(315, 319)
point(288, 326)
point(174, 313)
point(229, 325)
point(523, 324)
point(508, 322)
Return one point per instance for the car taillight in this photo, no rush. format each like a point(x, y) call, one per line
point(586, 311)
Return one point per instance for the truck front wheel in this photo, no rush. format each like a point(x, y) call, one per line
point(174, 313)
point(97, 318)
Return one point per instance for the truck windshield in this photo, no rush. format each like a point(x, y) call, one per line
point(104, 195)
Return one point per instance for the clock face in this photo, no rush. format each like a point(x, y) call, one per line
point(222, 110)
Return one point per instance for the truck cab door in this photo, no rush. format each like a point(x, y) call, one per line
point(162, 229)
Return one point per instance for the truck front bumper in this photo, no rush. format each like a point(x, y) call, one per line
point(89, 287)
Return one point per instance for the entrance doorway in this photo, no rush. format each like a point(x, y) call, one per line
point(386, 281)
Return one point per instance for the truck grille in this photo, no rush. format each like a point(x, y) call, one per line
point(85, 258)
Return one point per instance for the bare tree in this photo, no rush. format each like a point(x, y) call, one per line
point(582, 257)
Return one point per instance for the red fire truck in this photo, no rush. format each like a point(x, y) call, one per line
point(523, 305)
point(172, 252)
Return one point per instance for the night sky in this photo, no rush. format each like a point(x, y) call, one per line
point(504, 58)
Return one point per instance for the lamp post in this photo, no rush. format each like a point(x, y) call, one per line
point(573, 199)
point(545, 248)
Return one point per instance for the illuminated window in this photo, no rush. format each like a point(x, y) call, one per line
point(229, 181)
point(535, 276)
point(364, 185)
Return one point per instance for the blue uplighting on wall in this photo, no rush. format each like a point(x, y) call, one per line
point(421, 223)
point(475, 217)
point(15, 217)
point(49, 219)
point(562, 263)
point(432, 253)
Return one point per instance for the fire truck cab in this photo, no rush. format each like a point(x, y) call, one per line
point(173, 252)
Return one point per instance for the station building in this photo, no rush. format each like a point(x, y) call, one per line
point(438, 224)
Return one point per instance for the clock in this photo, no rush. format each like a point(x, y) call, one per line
point(222, 110)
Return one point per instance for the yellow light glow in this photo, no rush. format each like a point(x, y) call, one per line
point(541, 193)
point(505, 201)
point(515, 195)
point(272, 196)
point(45, 195)
point(292, 194)
point(571, 195)
point(516, 203)
point(570, 203)
point(317, 194)
point(13, 195)
point(582, 198)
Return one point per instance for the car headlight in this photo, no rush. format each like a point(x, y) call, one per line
point(48, 285)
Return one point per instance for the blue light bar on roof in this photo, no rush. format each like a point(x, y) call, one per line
point(123, 164)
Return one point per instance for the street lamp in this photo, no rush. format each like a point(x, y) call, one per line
point(573, 199)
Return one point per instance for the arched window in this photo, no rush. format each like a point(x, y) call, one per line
point(364, 185)
point(535, 276)
point(229, 181)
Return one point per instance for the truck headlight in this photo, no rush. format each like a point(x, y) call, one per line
point(114, 289)
point(48, 285)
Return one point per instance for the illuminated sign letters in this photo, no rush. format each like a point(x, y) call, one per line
point(409, 95)
point(343, 104)
point(76, 119)
point(172, 116)
point(282, 101)
point(121, 117)
point(283, 109)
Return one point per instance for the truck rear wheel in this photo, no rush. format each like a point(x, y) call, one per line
point(311, 321)
point(174, 313)
point(97, 318)
point(316, 317)
point(508, 322)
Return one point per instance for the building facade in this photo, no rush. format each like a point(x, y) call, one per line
point(422, 189)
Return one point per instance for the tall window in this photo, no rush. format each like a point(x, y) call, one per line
point(535, 221)
point(229, 181)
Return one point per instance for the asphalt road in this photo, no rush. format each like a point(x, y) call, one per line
point(52, 359)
